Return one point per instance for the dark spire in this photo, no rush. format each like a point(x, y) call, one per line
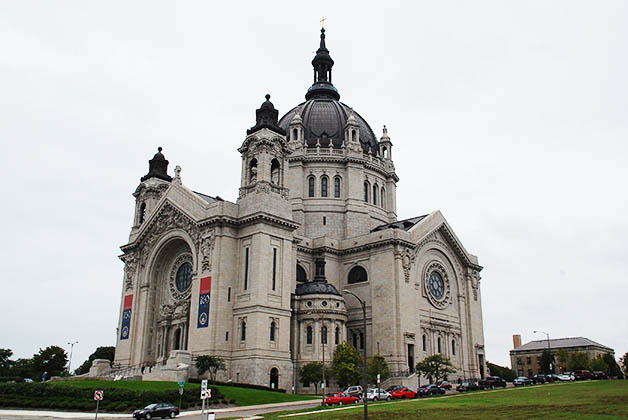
point(322, 63)
point(157, 167)
point(266, 117)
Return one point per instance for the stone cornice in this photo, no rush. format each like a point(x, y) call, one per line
point(344, 159)
point(253, 218)
point(359, 248)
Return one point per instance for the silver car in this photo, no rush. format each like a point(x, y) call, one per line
point(377, 394)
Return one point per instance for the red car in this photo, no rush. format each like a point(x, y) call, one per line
point(402, 393)
point(341, 398)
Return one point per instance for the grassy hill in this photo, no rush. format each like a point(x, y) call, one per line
point(590, 400)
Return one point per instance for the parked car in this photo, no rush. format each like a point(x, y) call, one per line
point(566, 377)
point(493, 382)
point(376, 394)
point(581, 375)
point(445, 385)
point(599, 375)
point(162, 410)
point(522, 381)
point(427, 390)
point(403, 393)
point(393, 388)
point(341, 398)
point(354, 391)
point(469, 386)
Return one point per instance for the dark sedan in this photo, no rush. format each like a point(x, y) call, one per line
point(469, 386)
point(162, 410)
point(427, 390)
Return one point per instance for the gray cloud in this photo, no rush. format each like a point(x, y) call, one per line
point(509, 117)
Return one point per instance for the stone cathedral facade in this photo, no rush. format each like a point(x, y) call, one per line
point(260, 282)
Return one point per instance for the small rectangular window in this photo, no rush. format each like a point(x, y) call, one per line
point(227, 336)
point(229, 294)
point(246, 268)
point(274, 267)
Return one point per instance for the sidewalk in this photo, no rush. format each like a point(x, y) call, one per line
point(104, 415)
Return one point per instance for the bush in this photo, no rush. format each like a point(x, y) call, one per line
point(38, 395)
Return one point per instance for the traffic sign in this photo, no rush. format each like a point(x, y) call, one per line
point(98, 395)
point(204, 384)
point(181, 384)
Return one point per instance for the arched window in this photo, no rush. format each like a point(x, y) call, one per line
point(384, 150)
point(337, 187)
point(253, 171)
point(352, 135)
point(357, 275)
point(310, 186)
point(274, 378)
point(337, 336)
point(275, 172)
point(354, 338)
point(375, 193)
point(438, 345)
point(294, 134)
point(243, 331)
point(301, 274)
point(324, 182)
point(142, 213)
point(308, 337)
point(453, 347)
point(367, 187)
point(272, 331)
point(382, 202)
point(324, 335)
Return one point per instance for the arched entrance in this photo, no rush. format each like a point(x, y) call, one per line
point(274, 378)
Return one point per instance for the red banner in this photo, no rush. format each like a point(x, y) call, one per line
point(128, 302)
point(206, 285)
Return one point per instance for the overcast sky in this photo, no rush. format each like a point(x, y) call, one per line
point(509, 117)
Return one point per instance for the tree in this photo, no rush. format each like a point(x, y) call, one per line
point(23, 368)
point(546, 361)
point(435, 367)
point(624, 362)
point(346, 364)
point(503, 372)
point(209, 363)
point(578, 361)
point(598, 364)
point(106, 352)
point(5, 362)
point(52, 359)
point(613, 369)
point(377, 364)
point(312, 372)
point(562, 356)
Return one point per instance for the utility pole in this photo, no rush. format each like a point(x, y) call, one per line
point(549, 350)
point(363, 304)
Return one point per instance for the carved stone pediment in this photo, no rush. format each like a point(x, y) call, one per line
point(167, 218)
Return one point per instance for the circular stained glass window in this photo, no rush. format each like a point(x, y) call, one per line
point(183, 280)
point(436, 285)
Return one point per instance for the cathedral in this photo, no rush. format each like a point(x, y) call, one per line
point(271, 282)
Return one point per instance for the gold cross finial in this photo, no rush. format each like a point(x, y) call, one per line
point(323, 21)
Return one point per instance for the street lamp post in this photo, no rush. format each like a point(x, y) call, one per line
point(70, 361)
point(363, 304)
point(549, 350)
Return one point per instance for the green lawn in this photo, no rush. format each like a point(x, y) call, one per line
point(242, 396)
point(598, 400)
